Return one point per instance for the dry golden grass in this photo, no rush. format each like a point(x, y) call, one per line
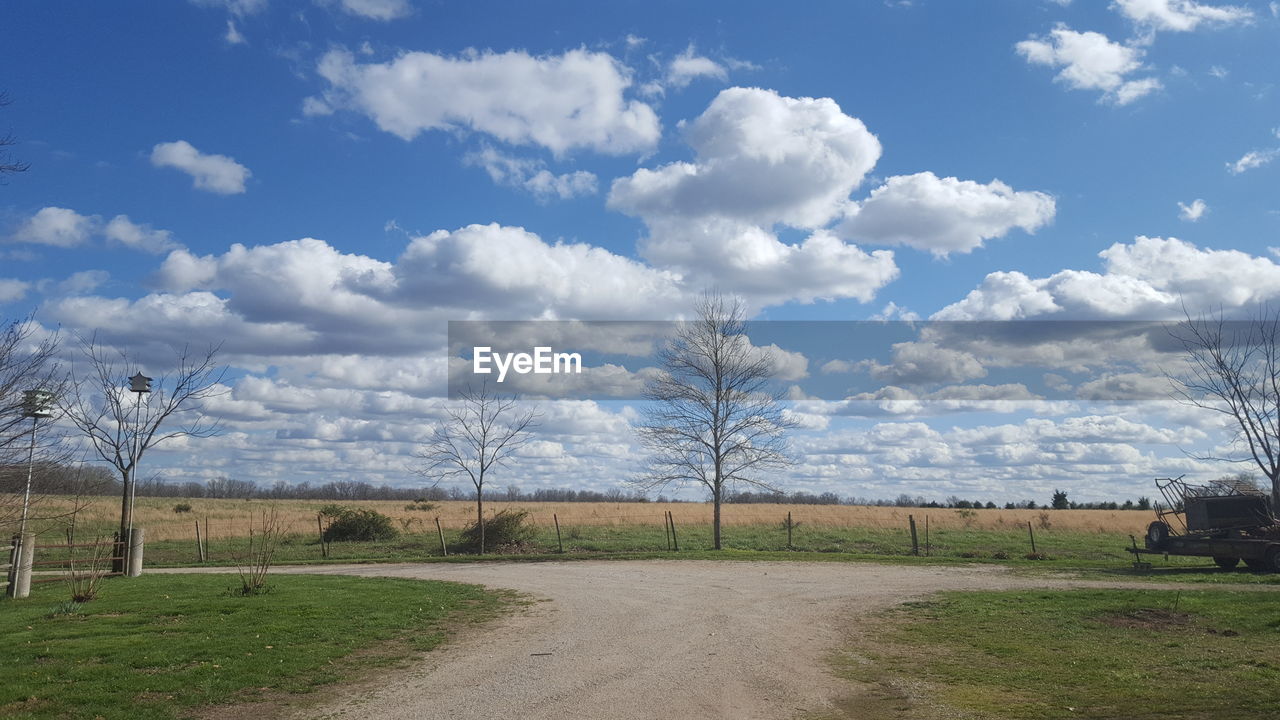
point(231, 518)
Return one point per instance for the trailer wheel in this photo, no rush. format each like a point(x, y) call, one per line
point(1273, 559)
point(1226, 563)
point(1157, 535)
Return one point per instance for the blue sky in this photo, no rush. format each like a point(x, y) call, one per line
point(569, 160)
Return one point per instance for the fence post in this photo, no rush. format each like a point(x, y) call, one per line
point(915, 542)
point(926, 536)
point(558, 540)
point(674, 541)
point(1032, 533)
point(666, 529)
point(135, 551)
point(444, 549)
point(25, 552)
point(324, 551)
point(199, 544)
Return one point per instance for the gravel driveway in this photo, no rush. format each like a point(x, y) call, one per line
point(667, 640)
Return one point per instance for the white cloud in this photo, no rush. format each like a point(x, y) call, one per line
point(894, 311)
point(923, 363)
point(139, 237)
point(560, 102)
point(12, 289)
point(688, 66)
point(61, 227)
point(377, 9)
point(1090, 61)
point(1253, 159)
point(1194, 211)
point(761, 160)
point(55, 226)
point(235, 7)
point(1150, 278)
point(533, 176)
point(215, 173)
point(1181, 15)
point(233, 36)
point(944, 215)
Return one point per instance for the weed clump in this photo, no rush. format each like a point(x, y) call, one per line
point(506, 532)
point(348, 524)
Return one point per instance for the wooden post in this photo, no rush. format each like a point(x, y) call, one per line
point(926, 536)
point(675, 542)
point(324, 549)
point(206, 536)
point(444, 549)
point(199, 544)
point(1032, 533)
point(558, 540)
point(666, 529)
point(790, 527)
point(915, 542)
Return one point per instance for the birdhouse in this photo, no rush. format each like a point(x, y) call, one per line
point(140, 383)
point(37, 404)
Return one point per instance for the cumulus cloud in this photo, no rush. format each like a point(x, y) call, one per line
point(55, 226)
point(12, 289)
point(924, 363)
point(944, 215)
point(532, 175)
point(377, 9)
point(761, 160)
point(688, 66)
point(560, 102)
point(1150, 278)
point(1194, 211)
point(215, 173)
point(61, 227)
point(1090, 61)
point(1253, 159)
point(1181, 15)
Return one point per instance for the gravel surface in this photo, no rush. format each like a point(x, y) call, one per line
point(648, 639)
point(660, 640)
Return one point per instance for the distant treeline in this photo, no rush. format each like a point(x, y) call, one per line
point(52, 479)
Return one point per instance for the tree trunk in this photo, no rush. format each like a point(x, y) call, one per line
point(1275, 494)
point(716, 521)
point(126, 519)
point(480, 515)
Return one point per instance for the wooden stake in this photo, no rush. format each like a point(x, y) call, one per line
point(199, 544)
point(324, 550)
point(558, 540)
point(915, 542)
point(1032, 533)
point(666, 529)
point(675, 542)
point(444, 549)
point(789, 529)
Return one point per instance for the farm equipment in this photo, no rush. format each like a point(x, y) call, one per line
point(1227, 520)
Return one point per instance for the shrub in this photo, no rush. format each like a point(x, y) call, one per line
point(356, 524)
point(422, 505)
point(182, 508)
point(999, 555)
point(506, 531)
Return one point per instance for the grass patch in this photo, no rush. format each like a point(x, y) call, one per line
point(1075, 654)
point(161, 646)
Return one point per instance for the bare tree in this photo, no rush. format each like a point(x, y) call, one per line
point(7, 163)
point(27, 362)
point(481, 434)
point(1233, 368)
point(121, 425)
point(711, 417)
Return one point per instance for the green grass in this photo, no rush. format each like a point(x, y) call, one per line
point(159, 645)
point(1075, 654)
point(1094, 555)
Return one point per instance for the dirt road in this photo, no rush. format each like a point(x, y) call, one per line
point(668, 640)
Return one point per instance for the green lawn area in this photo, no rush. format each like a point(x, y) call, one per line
point(1099, 555)
point(1072, 654)
point(159, 646)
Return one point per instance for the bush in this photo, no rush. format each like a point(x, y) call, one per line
point(421, 505)
point(506, 531)
point(356, 524)
point(182, 508)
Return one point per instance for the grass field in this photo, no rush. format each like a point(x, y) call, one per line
point(1072, 654)
point(230, 518)
point(1077, 540)
point(160, 645)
